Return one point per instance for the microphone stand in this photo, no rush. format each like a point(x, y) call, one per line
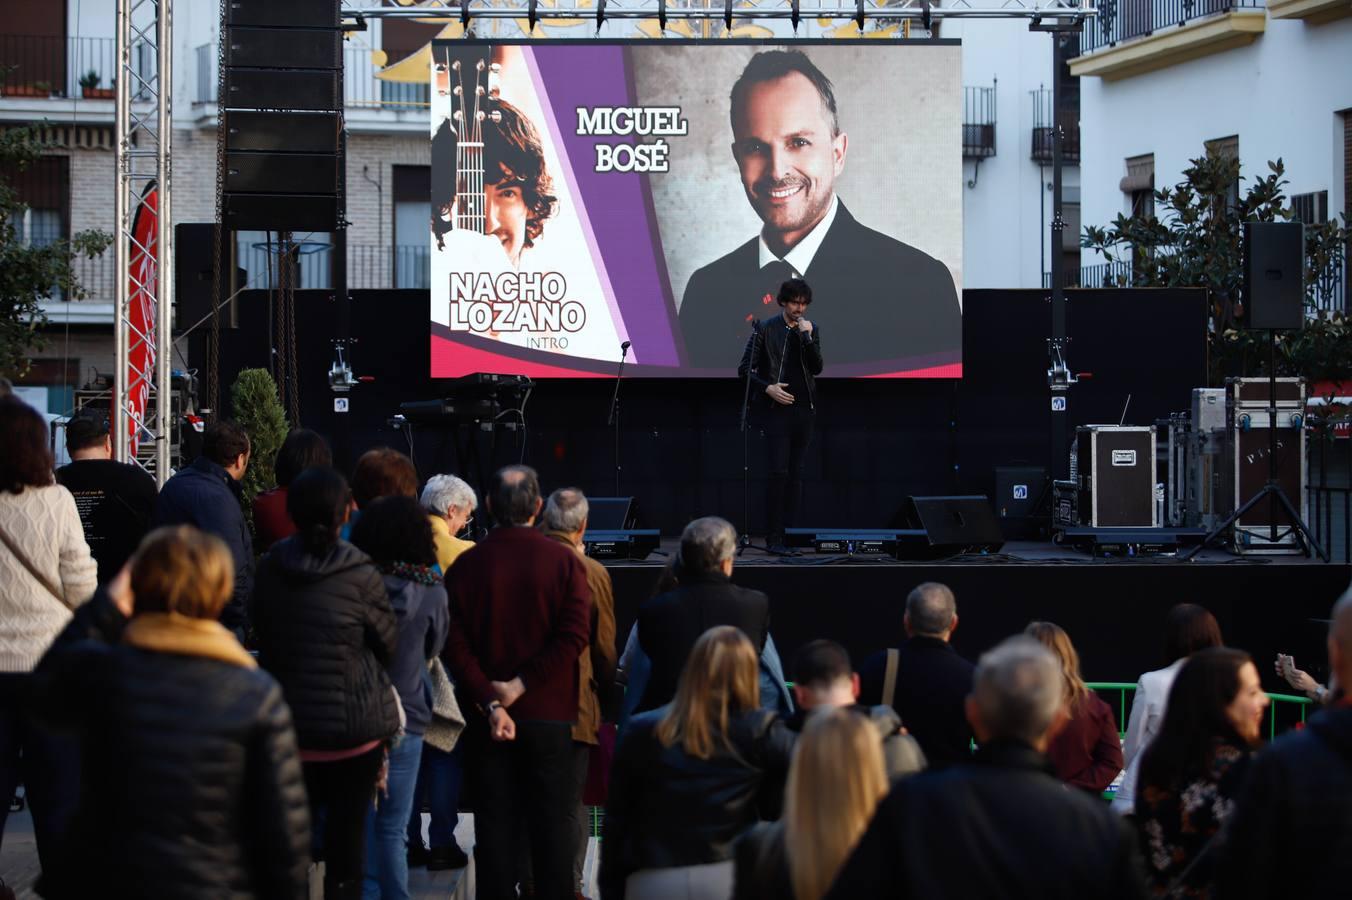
point(744, 539)
point(615, 413)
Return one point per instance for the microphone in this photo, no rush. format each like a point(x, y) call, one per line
point(624, 346)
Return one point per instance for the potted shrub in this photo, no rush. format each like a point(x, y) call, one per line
point(89, 87)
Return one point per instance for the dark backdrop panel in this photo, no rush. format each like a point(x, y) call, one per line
point(1113, 611)
point(877, 440)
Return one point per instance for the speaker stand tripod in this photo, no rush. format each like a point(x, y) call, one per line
point(1272, 491)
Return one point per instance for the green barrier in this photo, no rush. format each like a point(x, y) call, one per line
point(1125, 689)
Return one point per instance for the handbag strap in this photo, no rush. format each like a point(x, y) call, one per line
point(890, 675)
point(33, 570)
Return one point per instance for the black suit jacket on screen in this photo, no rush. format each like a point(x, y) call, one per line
point(879, 298)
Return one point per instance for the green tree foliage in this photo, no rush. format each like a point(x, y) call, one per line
point(30, 274)
point(257, 408)
point(1197, 242)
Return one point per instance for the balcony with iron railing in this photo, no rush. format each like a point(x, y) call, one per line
point(1131, 37)
point(47, 68)
point(1326, 293)
point(369, 266)
point(370, 98)
point(1067, 116)
point(978, 122)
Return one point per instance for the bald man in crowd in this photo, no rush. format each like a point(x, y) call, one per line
point(1291, 834)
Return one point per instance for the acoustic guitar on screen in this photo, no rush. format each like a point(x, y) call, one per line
point(459, 207)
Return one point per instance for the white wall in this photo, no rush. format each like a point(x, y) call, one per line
point(1280, 94)
point(1007, 215)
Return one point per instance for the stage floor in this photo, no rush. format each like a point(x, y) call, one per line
point(1112, 607)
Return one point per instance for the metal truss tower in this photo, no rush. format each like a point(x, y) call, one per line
point(142, 319)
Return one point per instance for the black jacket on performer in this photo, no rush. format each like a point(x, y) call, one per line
point(769, 341)
point(670, 623)
point(668, 809)
point(326, 631)
point(191, 779)
point(1002, 825)
point(1291, 831)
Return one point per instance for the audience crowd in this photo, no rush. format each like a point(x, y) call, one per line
point(208, 699)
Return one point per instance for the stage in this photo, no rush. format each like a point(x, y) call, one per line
point(1113, 608)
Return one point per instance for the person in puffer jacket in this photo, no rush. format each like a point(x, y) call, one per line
point(327, 632)
point(396, 533)
point(191, 781)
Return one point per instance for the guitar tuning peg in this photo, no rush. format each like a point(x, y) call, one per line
point(495, 117)
point(495, 68)
point(479, 66)
point(457, 90)
point(440, 67)
point(478, 90)
point(494, 91)
point(455, 66)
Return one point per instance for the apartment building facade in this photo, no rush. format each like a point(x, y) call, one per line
point(1163, 81)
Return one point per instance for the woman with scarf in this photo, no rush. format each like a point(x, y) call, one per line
point(395, 533)
point(191, 777)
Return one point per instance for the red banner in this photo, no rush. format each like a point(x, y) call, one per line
point(143, 287)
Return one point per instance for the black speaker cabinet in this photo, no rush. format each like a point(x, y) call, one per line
point(610, 513)
point(287, 48)
point(955, 524)
point(249, 171)
point(290, 13)
point(281, 212)
point(1115, 475)
point(289, 132)
point(317, 89)
point(1274, 269)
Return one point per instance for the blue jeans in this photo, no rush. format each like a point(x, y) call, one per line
point(386, 834)
point(439, 787)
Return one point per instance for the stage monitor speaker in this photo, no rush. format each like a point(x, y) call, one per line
point(629, 543)
point(287, 48)
point(253, 172)
point(289, 132)
point(281, 212)
point(284, 13)
point(957, 524)
point(610, 513)
point(1274, 269)
point(316, 89)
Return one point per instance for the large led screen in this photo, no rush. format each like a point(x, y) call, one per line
point(590, 194)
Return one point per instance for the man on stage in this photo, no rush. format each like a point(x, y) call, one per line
point(886, 300)
point(783, 357)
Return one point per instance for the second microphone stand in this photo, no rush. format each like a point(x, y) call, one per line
point(614, 419)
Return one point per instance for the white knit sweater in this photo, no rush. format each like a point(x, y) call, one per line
point(45, 525)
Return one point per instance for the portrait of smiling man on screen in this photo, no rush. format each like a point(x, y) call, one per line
point(876, 297)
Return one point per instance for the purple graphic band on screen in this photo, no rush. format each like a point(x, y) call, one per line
point(615, 203)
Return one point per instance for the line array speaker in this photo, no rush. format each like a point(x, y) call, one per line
point(283, 109)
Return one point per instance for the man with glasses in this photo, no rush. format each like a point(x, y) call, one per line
point(450, 505)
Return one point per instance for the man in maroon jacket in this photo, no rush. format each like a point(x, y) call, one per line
point(520, 616)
